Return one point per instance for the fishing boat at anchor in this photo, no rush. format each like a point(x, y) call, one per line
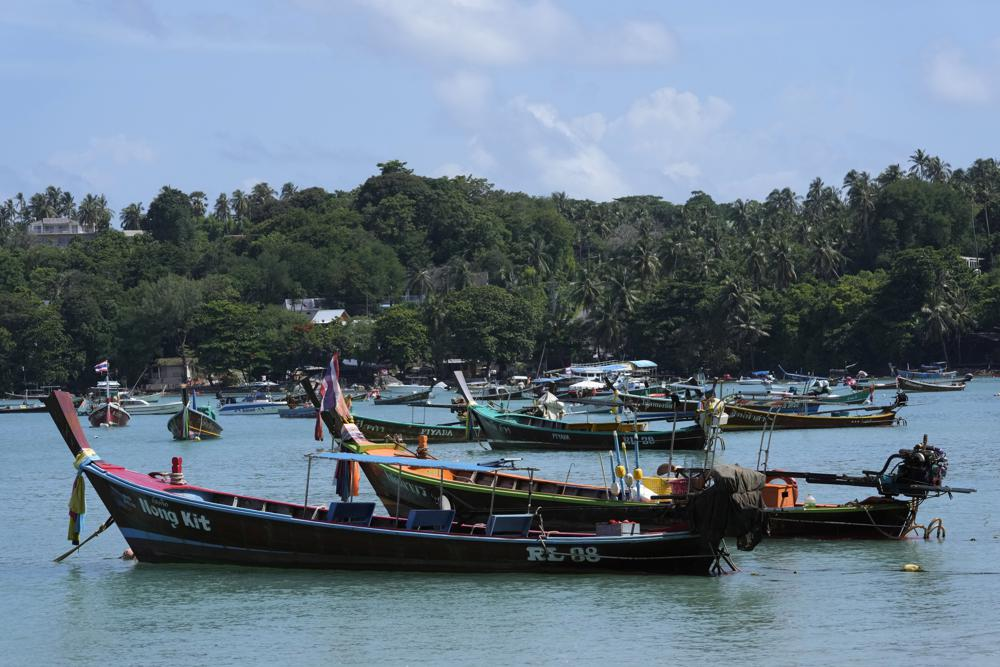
point(745, 419)
point(22, 409)
point(165, 519)
point(384, 429)
point(907, 384)
point(403, 399)
point(518, 430)
point(110, 414)
point(193, 421)
point(907, 478)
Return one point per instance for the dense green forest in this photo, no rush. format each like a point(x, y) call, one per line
point(867, 271)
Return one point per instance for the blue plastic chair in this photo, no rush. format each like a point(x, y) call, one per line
point(359, 514)
point(438, 520)
point(509, 524)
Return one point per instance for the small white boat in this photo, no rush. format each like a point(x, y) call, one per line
point(254, 404)
point(138, 406)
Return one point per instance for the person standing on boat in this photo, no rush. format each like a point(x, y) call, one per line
point(710, 410)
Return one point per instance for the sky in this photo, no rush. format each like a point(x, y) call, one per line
point(595, 99)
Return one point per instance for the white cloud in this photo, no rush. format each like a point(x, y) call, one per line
point(952, 79)
point(504, 33)
point(464, 94)
point(668, 116)
point(636, 43)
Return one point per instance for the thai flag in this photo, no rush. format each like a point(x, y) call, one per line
point(101, 367)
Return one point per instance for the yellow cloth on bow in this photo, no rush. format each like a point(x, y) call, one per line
point(77, 508)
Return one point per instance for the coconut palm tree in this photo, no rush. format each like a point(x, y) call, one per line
point(240, 204)
point(221, 209)
point(861, 196)
point(587, 290)
point(94, 214)
point(784, 264)
point(132, 216)
point(287, 190)
point(647, 261)
point(918, 164)
point(825, 259)
point(539, 258)
point(199, 203)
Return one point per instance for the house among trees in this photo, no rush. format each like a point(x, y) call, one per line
point(58, 231)
point(338, 315)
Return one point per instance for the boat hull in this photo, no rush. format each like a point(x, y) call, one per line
point(383, 429)
point(262, 408)
point(401, 493)
point(744, 419)
point(415, 397)
point(199, 425)
point(907, 384)
point(506, 433)
point(875, 518)
point(113, 416)
point(162, 526)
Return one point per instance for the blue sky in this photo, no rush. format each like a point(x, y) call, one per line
point(597, 99)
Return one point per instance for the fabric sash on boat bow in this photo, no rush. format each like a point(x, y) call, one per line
point(78, 497)
point(348, 473)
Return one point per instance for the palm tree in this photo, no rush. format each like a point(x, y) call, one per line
point(424, 281)
point(784, 264)
point(647, 262)
point(861, 196)
point(538, 257)
point(889, 175)
point(756, 258)
point(131, 216)
point(742, 307)
point(199, 203)
point(587, 290)
point(221, 209)
point(38, 207)
point(23, 212)
point(261, 194)
point(826, 260)
point(94, 214)
point(7, 213)
point(287, 190)
point(918, 164)
point(939, 318)
point(240, 204)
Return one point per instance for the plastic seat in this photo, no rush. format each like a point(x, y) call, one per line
point(509, 524)
point(437, 520)
point(358, 514)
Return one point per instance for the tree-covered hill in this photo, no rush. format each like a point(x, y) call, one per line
point(867, 271)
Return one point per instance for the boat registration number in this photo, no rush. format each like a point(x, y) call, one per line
point(575, 554)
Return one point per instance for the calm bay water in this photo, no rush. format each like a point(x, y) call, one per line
point(794, 602)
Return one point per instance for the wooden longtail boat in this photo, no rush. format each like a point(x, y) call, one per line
point(194, 423)
point(502, 394)
point(23, 409)
point(164, 520)
point(906, 384)
point(506, 430)
point(743, 419)
point(415, 397)
point(876, 517)
point(384, 429)
point(111, 414)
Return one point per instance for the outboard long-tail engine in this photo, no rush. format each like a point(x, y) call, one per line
point(919, 471)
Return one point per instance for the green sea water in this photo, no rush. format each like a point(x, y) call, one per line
point(794, 602)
